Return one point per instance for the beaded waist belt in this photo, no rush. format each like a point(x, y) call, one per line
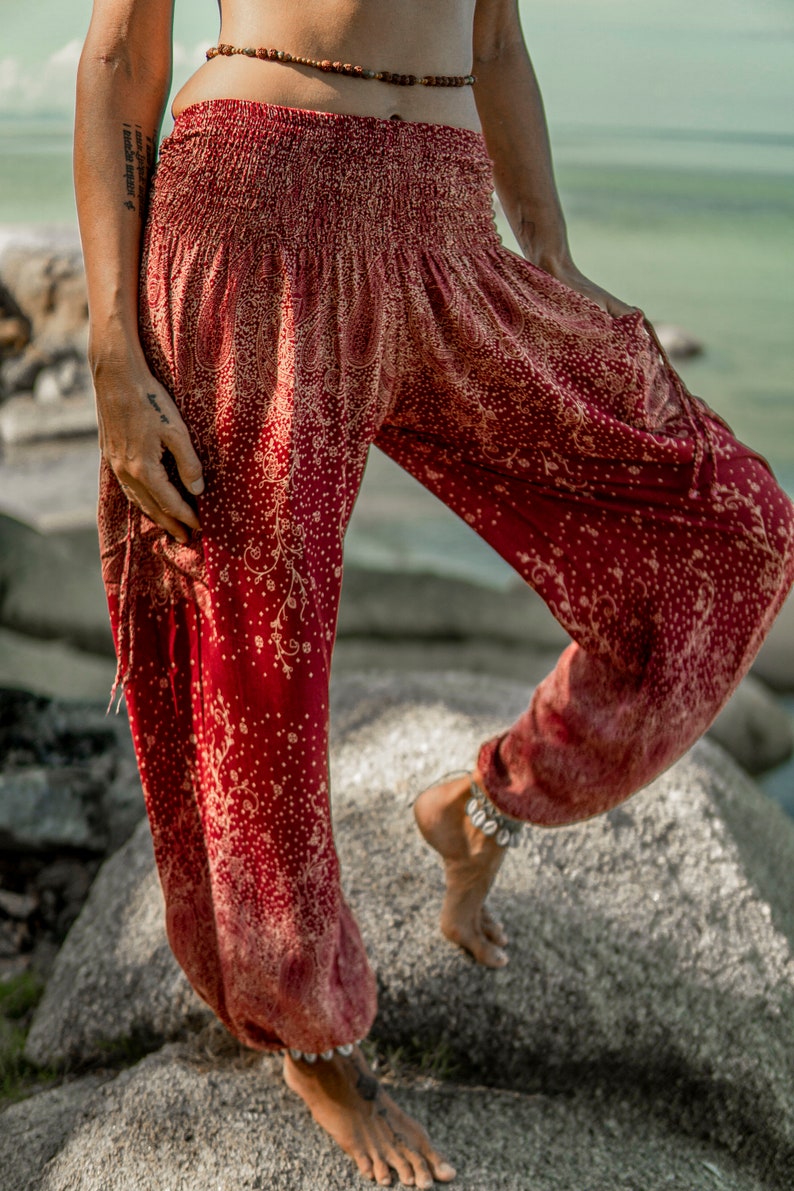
point(354, 72)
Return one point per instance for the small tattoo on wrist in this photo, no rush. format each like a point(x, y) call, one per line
point(152, 399)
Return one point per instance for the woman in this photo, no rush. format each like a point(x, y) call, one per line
point(319, 271)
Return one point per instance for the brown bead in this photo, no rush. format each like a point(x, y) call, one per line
point(325, 64)
point(338, 67)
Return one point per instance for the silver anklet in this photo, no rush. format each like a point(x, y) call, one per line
point(308, 1057)
point(490, 821)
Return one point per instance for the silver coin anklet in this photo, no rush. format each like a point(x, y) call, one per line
point(308, 1057)
point(486, 818)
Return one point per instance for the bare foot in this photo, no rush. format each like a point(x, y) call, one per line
point(346, 1099)
point(471, 861)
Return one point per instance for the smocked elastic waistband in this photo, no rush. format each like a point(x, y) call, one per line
point(321, 176)
point(243, 115)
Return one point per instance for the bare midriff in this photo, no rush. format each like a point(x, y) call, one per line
point(411, 37)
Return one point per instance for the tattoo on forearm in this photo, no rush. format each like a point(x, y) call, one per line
point(138, 162)
point(151, 398)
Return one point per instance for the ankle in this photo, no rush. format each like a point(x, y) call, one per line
point(309, 1058)
point(487, 818)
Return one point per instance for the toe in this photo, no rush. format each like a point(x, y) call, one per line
point(491, 956)
point(485, 952)
point(493, 929)
point(381, 1171)
point(442, 1170)
point(364, 1164)
point(478, 946)
point(404, 1168)
point(422, 1176)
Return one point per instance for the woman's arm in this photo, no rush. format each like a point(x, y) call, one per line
point(514, 124)
point(122, 85)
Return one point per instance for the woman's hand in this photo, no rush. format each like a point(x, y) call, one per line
point(138, 423)
point(566, 272)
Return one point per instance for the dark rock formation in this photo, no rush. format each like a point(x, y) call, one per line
point(68, 777)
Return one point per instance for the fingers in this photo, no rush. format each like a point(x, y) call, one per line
point(138, 422)
point(187, 461)
point(154, 494)
point(167, 499)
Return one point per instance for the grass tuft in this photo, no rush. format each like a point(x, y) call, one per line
point(413, 1060)
point(19, 996)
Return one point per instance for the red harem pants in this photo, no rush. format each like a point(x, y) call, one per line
point(312, 284)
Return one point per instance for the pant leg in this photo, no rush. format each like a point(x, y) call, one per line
point(225, 643)
point(664, 546)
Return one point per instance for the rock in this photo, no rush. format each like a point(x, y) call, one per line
point(28, 417)
point(754, 728)
point(68, 776)
point(42, 808)
point(51, 486)
point(50, 586)
point(44, 892)
point(63, 888)
point(59, 380)
point(388, 604)
point(191, 1119)
point(18, 373)
point(12, 967)
point(53, 668)
point(136, 988)
point(652, 948)
point(46, 389)
point(775, 662)
point(14, 334)
point(30, 1138)
point(678, 343)
point(473, 656)
point(14, 937)
point(17, 905)
point(47, 284)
